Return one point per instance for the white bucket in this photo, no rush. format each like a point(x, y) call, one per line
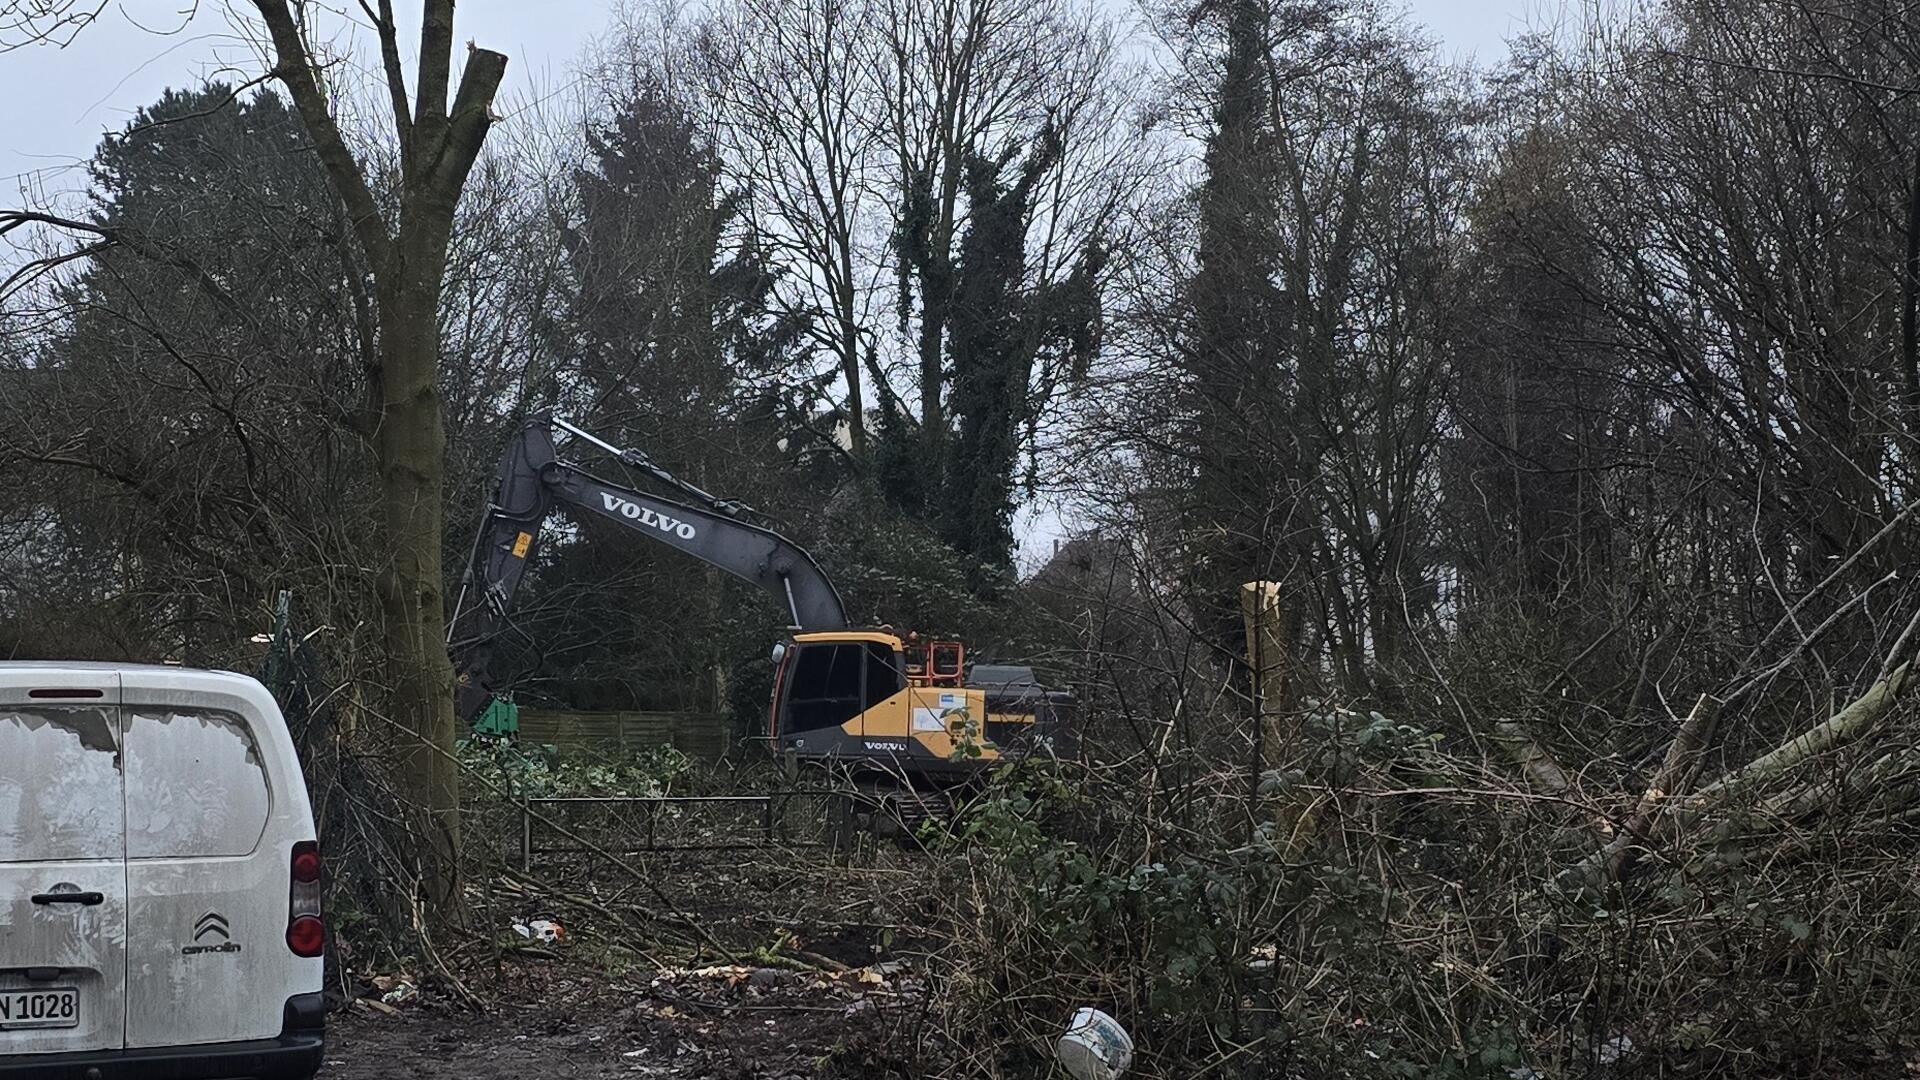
point(1095, 1046)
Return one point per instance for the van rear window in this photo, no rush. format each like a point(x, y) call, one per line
point(195, 784)
point(59, 784)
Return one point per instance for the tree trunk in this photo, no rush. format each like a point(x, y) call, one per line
point(412, 461)
point(1276, 737)
point(936, 298)
point(438, 146)
point(850, 368)
point(1910, 300)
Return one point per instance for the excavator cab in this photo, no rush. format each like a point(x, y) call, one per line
point(829, 683)
point(871, 697)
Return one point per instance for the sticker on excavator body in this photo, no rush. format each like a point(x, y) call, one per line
point(521, 543)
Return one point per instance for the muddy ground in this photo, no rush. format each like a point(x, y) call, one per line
point(723, 1022)
point(801, 966)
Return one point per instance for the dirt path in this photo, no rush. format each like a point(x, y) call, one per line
point(567, 1013)
point(433, 1045)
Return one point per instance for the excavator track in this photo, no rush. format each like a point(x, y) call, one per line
point(910, 809)
point(887, 810)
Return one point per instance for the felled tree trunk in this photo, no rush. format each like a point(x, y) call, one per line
point(1852, 723)
point(1841, 728)
point(1540, 768)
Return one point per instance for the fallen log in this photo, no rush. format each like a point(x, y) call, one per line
point(1886, 782)
point(1843, 727)
point(1853, 722)
point(1536, 763)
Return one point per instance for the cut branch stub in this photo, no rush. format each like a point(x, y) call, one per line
point(1676, 774)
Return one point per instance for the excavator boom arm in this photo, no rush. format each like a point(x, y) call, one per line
point(533, 479)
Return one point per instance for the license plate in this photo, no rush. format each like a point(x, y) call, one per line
point(56, 1007)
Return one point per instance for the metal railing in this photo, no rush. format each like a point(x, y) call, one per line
point(631, 824)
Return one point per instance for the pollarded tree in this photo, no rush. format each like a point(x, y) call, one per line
point(406, 249)
point(404, 236)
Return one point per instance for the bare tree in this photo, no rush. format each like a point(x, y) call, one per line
point(407, 252)
point(798, 128)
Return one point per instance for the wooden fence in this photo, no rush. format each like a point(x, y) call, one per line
point(702, 736)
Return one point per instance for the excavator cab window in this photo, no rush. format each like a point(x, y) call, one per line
point(945, 662)
point(884, 677)
point(824, 690)
point(935, 663)
point(833, 682)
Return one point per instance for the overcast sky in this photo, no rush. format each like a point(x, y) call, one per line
point(58, 101)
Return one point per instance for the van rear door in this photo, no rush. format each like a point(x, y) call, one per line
point(63, 878)
point(215, 804)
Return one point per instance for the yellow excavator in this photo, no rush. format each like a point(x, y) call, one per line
point(873, 700)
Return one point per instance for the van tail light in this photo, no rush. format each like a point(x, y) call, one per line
point(307, 936)
point(306, 863)
point(306, 932)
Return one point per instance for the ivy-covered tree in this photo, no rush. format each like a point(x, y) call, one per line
point(1001, 327)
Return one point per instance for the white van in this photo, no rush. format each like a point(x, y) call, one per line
point(159, 878)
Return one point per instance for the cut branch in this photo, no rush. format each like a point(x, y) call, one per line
point(472, 116)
